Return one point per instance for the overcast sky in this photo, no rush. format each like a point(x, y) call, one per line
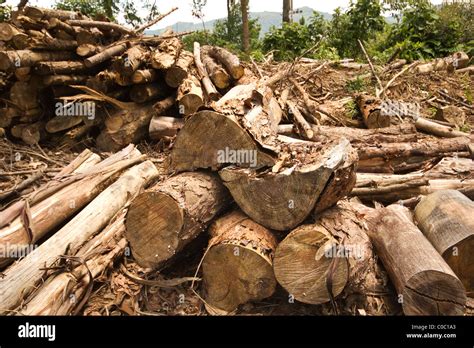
point(217, 8)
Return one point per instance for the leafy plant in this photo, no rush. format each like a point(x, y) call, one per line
point(5, 11)
point(355, 85)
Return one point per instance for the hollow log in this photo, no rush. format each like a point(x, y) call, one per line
point(425, 283)
point(165, 218)
point(23, 276)
point(447, 221)
point(237, 266)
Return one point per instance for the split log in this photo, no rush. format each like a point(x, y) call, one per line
point(163, 127)
point(23, 276)
point(62, 293)
point(209, 87)
point(179, 71)
point(190, 96)
point(229, 60)
point(425, 284)
point(283, 198)
point(166, 54)
point(216, 72)
point(446, 219)
point(237, 266)
point(145, 76)
point(146, 92)
point(25, 58)
point(207, 134)
point(372, 114)
point(165, 218)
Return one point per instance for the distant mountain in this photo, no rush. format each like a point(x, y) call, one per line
point(266, 19)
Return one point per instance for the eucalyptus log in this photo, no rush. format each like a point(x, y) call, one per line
point(166, 54)
point(169, 215)
point(424, 282)
point(217, 73)
point(372, 114)
point(446, 218)
point(237, 266)
point(229, 60)
point(21, 278)
point(190, 96)
point(26, 58)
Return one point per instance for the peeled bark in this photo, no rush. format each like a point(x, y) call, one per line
point(425, 283)
point(20, 278)
point(445, 218)
point(237, 267)
point(164, 219)
point(166, 54)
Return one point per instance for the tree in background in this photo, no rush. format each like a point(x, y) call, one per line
point(198, 11)
point(244, 5)
point(5, 11)
point(287, 8)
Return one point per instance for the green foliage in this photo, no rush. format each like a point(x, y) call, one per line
point(287, 42)
point(426, 32)
point(5, 11)
point(355, 85)
point(92, 8)
point(227, 33)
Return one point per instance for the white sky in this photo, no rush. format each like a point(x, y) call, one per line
point(217, 8)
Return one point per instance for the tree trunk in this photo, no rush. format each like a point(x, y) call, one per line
point(425, 284)
point(283, 198)
point(244, 5)
point(105, 54)
point(163, 127)
point(27, 273)
point(445, 218)
point(165, 218)
point(179, 71)
point(237, 266)
point(287, 9)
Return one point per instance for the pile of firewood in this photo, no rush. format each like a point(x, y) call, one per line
point(66, 76)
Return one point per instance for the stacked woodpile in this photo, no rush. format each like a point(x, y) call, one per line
point(287, 189)
point(66, 76)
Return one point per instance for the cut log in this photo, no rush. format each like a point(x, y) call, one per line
point(179, 71)
point(207, 84)
point(61, 123)
point(21, 278)
point(237, 266)
point(165, 218)
point(163, 127)
point(207, 134)
point(145, 76)
point(146, 92)
point(216, 72)
point(24, 58)
point(58, 68)
point(87, 50)
point(131, 60)
point(229, 60)
point(8, 31)
point(33, 133)
point(106, 26)
point(167, 54)
point(24, 95)
point(281, 199)
point(372, 114)
point(303, 126)
point(61, 80)
point(104, 55)
point(437, 129)
point(190, 96)
point(92, 36)
point(425, 283)
point(446, 219)
point(41, 13)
